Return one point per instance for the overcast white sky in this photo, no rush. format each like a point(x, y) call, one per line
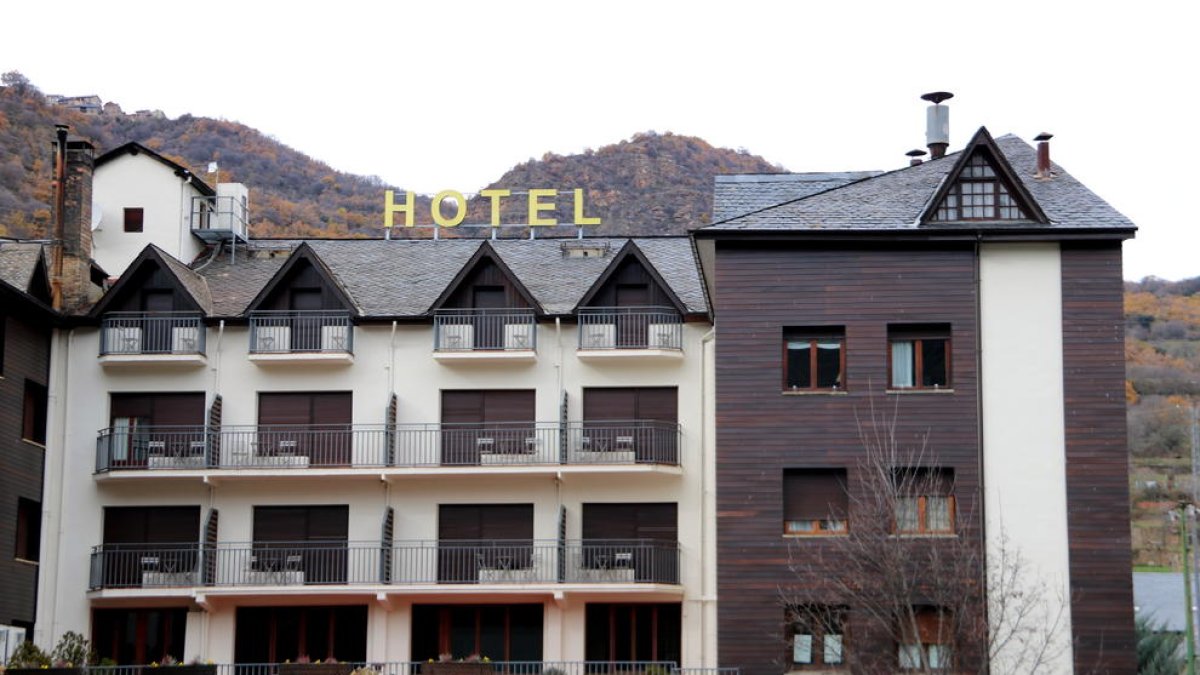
point(448, 95)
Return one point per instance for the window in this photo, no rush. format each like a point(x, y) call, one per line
point(979, 194)
point(133, 219)
point(817, 635)
point(814, 358)
point(814, 501)
point(29, 529)
point(924, 501)
point(929, 634)
point(920, 356)
point(33, 425)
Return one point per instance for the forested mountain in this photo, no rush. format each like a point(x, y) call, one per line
point(1162, 361)
point(652, 183)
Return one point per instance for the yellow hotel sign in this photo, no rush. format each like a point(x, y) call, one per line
point(539, 200)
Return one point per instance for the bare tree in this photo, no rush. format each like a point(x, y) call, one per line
point(903, 570)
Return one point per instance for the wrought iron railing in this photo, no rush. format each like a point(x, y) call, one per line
point(306, 446)
point(316, 332)
point(467, 330)
point(456, 667)
point(630, 328)
point(266, 563)
point(151, 333)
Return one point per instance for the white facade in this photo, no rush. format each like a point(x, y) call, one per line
point(1024, 440)
point(141, 181)
point(387, 359)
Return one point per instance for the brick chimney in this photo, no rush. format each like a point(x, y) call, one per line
point(71, 276)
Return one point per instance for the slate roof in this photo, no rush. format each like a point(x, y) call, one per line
point(18, 260)
point(739, 194)
point(404, 277)
point(194, 283)
point(894, 201)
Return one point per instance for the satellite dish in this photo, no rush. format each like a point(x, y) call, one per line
point(97, 215)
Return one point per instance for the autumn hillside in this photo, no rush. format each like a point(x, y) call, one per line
point(1162, 356)
point(652, 183)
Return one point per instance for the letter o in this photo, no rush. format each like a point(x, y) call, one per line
point(436, 208)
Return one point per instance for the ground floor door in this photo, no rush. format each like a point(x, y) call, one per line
point(632, 632)
point(139, 636)
point(277, 634)
point(499, 632)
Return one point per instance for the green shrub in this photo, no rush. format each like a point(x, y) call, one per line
point(29, 655)
point(72, 651)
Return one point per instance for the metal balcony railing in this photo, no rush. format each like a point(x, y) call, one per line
point(305, 446)
point(225, 213)
point(630, 328)
point(151, 333)
point(467, 330)
point(457, 667)
point(632, 561)
point(316, 332)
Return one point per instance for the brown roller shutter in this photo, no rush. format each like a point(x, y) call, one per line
point(814, 494)
point(609, 404)
point(630, 521)
point(660, 404)
point(508, 406)
point(485, 521)
point(462, 407)
point(301, 523)
point(151, 524)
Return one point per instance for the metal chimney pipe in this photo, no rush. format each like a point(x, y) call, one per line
point(60, 203)
point(914, 156)
point(937, 123)
point(1043, 154)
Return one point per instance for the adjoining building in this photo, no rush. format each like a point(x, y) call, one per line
point(973, 300)
point(385, 451)
point(26, 321)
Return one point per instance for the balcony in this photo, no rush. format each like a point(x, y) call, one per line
point(402, 446)
point(160, 338)
point(314, 337)
point(472, 335)
point(630, 332)
point(404, 563)
point(435, 668)
point(219, 218)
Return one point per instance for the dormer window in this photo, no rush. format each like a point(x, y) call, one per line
point(979, 194)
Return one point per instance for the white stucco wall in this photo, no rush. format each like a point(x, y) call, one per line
point(1024, 445)
point(133, 181)
point(383, 363)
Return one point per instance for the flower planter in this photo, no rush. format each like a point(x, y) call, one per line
point(198, 669)
point(44, 671)
point(456, 668)
point(314, 668)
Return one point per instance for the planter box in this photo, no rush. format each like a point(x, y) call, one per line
point(199, 669)
point(315, 668)
point(44, 671)
point(456, 668)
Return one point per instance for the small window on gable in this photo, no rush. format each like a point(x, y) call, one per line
point(919, 356)
point(979, 194)
point(817, 636)
point(814, 358)
point(133, 219)
point(924, 501)
point(815, 502)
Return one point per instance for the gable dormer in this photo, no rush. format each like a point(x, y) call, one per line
point(154, 313)
point(485, 313)
point(630, 307)
point(982, 187)
point(302, 314)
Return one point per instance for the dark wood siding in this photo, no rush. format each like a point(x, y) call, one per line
point(485, 286)
point(304, 288)
point(152, 289)
point(630, 285)
point(1097, 459)
point(25, 342)
point(760, 290)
